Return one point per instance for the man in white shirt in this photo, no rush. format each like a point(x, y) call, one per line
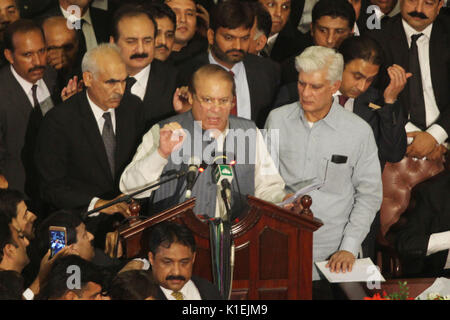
point(26, 95)
point(172, 256)
point(418, 41)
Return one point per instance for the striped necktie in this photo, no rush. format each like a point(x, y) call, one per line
point(177, 295)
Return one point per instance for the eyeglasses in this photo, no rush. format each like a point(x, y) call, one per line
point(210, 102)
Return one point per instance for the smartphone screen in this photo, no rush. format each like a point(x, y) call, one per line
point(57, 241)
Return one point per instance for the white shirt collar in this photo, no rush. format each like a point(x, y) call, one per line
point(98, 112)
point(237, 67)
point(25, 84)
point(409, 31)
point(142, 76)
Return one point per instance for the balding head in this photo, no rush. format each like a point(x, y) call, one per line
point(62, 43)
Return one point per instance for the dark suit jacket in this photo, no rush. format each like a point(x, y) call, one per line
point(392, 39)
point(431, 214)
point(15, 110)
point(263, 77)
point(207, 290)
point(387, 123)
point(71, 156)
point(288, 71)
point(158, 99)
point(196, 46)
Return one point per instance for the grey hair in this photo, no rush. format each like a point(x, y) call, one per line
point(89, 62)
point(317, 58)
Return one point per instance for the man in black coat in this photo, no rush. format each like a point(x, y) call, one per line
point(85, 143)
point(172, 256)
point(424, 242)
point(154, 81)
point(418, 40)
point(27, 93)
point(257, 79)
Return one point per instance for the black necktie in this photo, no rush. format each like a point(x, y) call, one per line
point(416, 100)
point(37, 112)
point(129, 84)
point(82, 46)
point(109, 139)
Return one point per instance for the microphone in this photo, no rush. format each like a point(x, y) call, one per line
point(194, 163)
point(223, 176)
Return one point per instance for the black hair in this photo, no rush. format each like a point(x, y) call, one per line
point(130, 10)
point(11, 285)
point(362, 47)
point(6, 236)
point(334, 8)
point(232, 14)
point(166, 233)
point(62, 218)
point(161, 10)
point(133, 285)
point(58, 278)
point(9, 200)
point(19, 26)
point(263, 18)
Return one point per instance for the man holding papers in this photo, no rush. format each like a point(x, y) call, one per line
point(320, 139)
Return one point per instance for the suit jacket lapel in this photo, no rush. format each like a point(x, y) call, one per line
point(19, 97)
point(438, 48)
point(252, 86)
point(121, 135)
point(93, 134)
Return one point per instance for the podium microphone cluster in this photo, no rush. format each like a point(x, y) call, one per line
point(191, 175)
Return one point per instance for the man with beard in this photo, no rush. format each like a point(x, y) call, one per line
point(418, 40)
point(257, 79)
point(9, 12)
point(27, 94)
point(85, 142)
point(153, 81)
point(172, 255)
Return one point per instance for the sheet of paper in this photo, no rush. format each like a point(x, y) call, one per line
point(363, 271)
point(440, 286)
point(304, 187)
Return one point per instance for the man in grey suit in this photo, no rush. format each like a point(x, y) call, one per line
point(319, 139)
point(26, 95)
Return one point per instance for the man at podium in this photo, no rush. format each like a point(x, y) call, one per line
point(205, 135)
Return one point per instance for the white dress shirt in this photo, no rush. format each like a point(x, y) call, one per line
point(140, 86)
point(98, 114)
point(189, 291)
point(242, 90)
point(348, 104)
point(147, 166)
point(431, 108)
point(88, 29)
point(42, 91)
point(439, 242)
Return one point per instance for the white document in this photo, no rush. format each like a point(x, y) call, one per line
point(303, 187)
point(440, 286)
point(363, 271)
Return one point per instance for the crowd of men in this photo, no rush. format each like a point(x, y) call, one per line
point(99, 99)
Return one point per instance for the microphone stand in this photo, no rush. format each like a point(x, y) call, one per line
point(128, 197)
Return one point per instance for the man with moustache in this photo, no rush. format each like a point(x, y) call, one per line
point(257, 79)
point(153, 81)
point(27, 93)
point(85, 142)
point(418, 40)
point(188, 42)
point(166, 20)
point(9, 12)
point(172, 256)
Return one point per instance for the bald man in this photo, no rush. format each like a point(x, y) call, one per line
point(85, 144)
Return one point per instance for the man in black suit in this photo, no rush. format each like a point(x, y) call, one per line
point(284, 40)
point(27, 93)
point(423, 243)
point(419, 41)
point(172, 256)
point(257, 79)
point(153, 81)
point(85, 143)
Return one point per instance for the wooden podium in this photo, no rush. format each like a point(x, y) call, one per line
point(273, 256)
